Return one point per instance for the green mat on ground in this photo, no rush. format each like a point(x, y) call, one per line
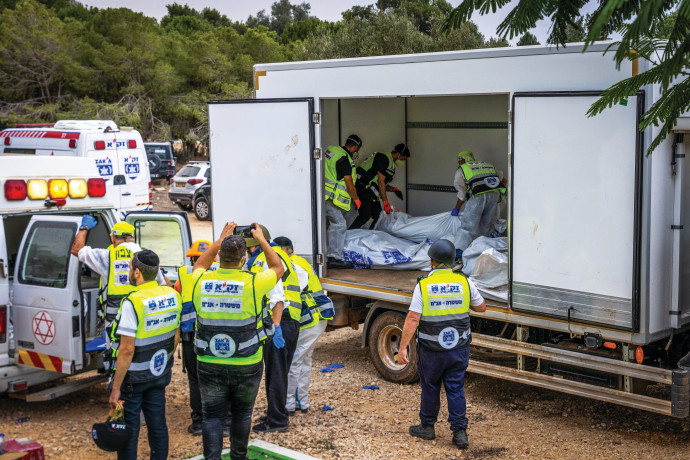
point(257, 453)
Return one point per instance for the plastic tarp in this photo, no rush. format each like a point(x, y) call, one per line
point(486, 261)
point(420, 229)
point(478, 246)
point(376, 249)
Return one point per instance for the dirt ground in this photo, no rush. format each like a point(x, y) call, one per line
point(507, 420)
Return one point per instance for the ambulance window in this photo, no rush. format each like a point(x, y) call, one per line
point(45, 257)
point(164, 237)
point(21, 151)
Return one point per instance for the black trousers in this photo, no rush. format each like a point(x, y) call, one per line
point(277, 368)
point(190, 364)
point(370, 208)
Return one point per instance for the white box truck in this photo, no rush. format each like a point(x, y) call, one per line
point(599, 302)
point(49, 322)
point(118, 152)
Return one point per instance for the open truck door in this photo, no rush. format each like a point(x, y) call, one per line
point(46, 304)
point(263, 168)
point(166, 233)
point(572, 177)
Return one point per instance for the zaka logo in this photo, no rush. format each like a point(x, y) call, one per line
point(158, 362)
point(448, 288)
point(132, 167)
point(105, 166)
point(448, 338)
point(222, 346)
point(123, 278)
point(491, 181)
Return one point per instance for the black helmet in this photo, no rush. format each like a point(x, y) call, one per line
point(111, 436)
point(442, 251)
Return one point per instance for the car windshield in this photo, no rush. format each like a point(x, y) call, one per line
point(188, 171)
point(163, 151)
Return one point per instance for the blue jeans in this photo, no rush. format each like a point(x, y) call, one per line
point(447, 367)
point(149, 397)
point(222, 388)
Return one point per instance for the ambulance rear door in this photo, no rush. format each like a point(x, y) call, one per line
point(46, 306)
point(134, 176)
point(166, 233)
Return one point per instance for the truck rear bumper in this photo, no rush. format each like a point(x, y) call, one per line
point(32, 376)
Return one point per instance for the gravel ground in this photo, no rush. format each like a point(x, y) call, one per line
point(507, 420)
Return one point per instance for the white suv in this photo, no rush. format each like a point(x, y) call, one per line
point(187, 180)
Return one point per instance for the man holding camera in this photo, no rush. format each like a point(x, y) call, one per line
point(229, 337)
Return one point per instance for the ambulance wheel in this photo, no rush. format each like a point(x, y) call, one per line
point(385, 333)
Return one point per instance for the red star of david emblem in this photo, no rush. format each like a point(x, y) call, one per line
point(44, 328)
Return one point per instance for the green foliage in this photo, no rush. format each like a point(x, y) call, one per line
point(528, 39)
point(657, 31)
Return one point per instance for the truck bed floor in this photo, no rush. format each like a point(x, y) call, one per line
point(398, 280)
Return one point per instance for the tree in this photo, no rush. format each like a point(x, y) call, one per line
point(641, 25)
point(283, 14)
point(528, 39)
point(574, 32)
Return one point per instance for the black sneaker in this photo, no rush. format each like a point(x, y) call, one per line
point(263, 418)
point(264, 427)
point(194, 429)
point(460, 439)
point(335, 263)
point(291, 413)
point(226, 431)
point(424, 432)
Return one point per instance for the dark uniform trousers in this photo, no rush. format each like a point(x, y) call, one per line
point(447, 368)
point(277, 368)
point(190, 364)
point(370, 208)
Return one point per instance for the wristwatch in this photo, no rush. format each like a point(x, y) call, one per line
point(83, 227)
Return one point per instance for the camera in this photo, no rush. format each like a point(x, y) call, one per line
point(244, 231)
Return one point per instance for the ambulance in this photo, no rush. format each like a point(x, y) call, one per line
point(49, 322)
point(117, 151)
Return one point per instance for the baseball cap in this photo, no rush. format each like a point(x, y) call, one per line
point(122, 229)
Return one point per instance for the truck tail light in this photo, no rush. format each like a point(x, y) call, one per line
point(96, 187)
point(37, 189)
point(99, 145)
point(3, 323)
point(72, 143)
point(132, 144)
point(58, 189)
point(610, 345)
point(15, 190)
point(77, 188)
point(150, 195)
point(18, 386)
point(194, 181)
point(7, 140)
point(639, 355)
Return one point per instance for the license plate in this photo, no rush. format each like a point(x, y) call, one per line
point(155, 176)
point(180, 184)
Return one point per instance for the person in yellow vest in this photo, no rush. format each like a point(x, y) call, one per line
point(285, 305)
point(230, 336)
point(144, 337)
point(184, 286)
point(373, 178)
point(317, 309)
point(112, 264)
point(340, 193)
point(479, 187)
point(440, 307)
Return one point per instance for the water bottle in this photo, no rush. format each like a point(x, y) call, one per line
point(2, 443)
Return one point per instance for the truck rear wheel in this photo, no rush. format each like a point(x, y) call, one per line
point(384, 340)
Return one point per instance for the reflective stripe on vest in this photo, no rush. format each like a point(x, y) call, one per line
point(157, 309)
point(445, 321)
point(335, 189)
point(118, 280)
point(481, 178)
point(293, 299)
point(313, 289)
point(228, 321)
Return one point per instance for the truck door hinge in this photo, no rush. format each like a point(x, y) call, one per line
point(317, 154)
point(319, 259)
point(676, 227)
point(11, 295)
point(316, 118)
point(510, 116)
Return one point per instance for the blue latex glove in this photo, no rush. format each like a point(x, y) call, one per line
point(336, 366)
point(326, 369)
point(278, 339)
point(89, 221)
point(370, 387)
point(454, 212)
point(327, 408)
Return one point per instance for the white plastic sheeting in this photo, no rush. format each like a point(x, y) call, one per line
point(478, 246)
point(419, 229)
point(491, 274)
point(375, 249)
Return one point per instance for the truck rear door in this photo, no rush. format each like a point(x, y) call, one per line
point(575, 209)
point(4, 299)
point(46, 306)
point(263, 168)
point(165, 233)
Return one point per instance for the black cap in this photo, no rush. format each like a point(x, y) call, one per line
point(402, 149)
point(283, 241)
point(147, 257)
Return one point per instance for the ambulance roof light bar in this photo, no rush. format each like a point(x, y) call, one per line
point(92, 125)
